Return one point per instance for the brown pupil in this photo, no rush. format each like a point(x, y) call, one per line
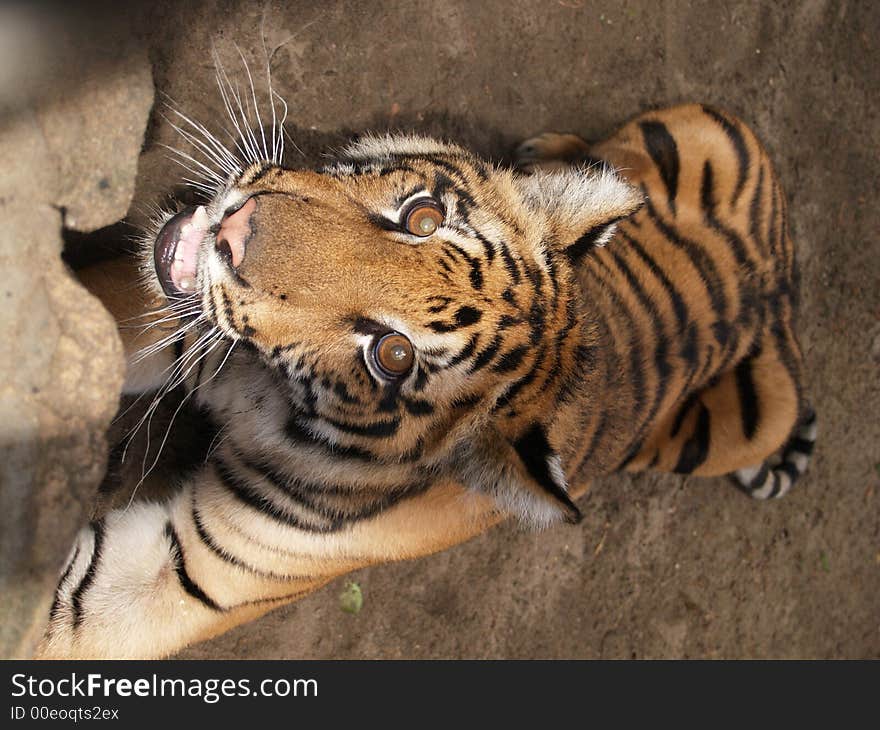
point(424, 219)
point(394, 353)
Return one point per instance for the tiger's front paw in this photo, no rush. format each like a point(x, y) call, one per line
point(551, 151)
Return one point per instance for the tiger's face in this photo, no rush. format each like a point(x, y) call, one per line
point(417, 304)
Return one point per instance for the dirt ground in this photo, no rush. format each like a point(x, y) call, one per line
point(660, 566)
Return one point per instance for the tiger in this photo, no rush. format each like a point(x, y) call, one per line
point(410, 344)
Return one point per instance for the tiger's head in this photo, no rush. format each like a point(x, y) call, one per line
point(418, 304)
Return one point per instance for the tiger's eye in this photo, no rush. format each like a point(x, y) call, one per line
point(424, 218)
point(394, 354)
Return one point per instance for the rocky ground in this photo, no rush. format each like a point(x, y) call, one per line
point(660, 566)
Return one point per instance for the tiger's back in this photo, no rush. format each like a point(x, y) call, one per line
point(698, 290)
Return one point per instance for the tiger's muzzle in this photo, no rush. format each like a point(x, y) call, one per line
point(177, 251)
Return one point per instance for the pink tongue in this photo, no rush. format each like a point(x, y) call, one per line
point(186, 253)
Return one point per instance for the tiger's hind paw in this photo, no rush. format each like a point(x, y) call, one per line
point(551, 151)
point(774, 478)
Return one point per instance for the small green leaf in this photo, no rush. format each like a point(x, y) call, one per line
point(351, 600)
point(823, 560)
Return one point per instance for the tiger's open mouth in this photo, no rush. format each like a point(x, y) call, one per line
point(177, 251)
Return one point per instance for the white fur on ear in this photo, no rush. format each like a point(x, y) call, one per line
point(373, 146)
point(582, 206)
point(569, 195)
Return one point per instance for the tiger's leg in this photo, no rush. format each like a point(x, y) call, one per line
point(738, 424)
point(146, 581)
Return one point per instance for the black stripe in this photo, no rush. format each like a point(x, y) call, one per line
point(249, 496)
point(420, 383)
point(790, 361)
point(513, 390)
point(486, 355)
point(800, 446)
point(534, 450)
point(383, 223)
point(466, 351)
point(179, 564)
point(336, 519)
point(209, 542)
point(789, 468)
point(444, 303)
point(338, 516)
point(448, 251)
point(442, 183)
point(212, 545)
point(739, 146)
point(664, 151)
point(633, 452)
point(661, 363)
point(258, 173)
point(476, 272)
point(511, 359)
point(696, 449)
point(536, 322)
point(342, 393)
point(376, 429)
point(273, 599)
point(305, 495)
point(366, 326)
point(466, 401)
point(698, 256)
point(467, 316)
point(510, 263)
point(777, 484)
point(636, 361)
point(575, 252)
point(464, 317)
point(678, 304)
point(89, 577)
point(749, 406)
point(760, 478)
point(808, 416)
point(418, 407)
point(488, 249)
point(297, 433)
point(707, 202)
point(212, 306)
point(506, 321)
point(680, 416)
point(56, 601)
point(755, 210)
point(583, 364)
point(595, 438)
point(657, 327)
point(690, 352)
point(445, 266)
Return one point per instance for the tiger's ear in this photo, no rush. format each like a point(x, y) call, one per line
point(582, 206)
point(524, 475)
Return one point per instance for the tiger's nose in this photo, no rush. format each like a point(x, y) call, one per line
point(235, 232)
